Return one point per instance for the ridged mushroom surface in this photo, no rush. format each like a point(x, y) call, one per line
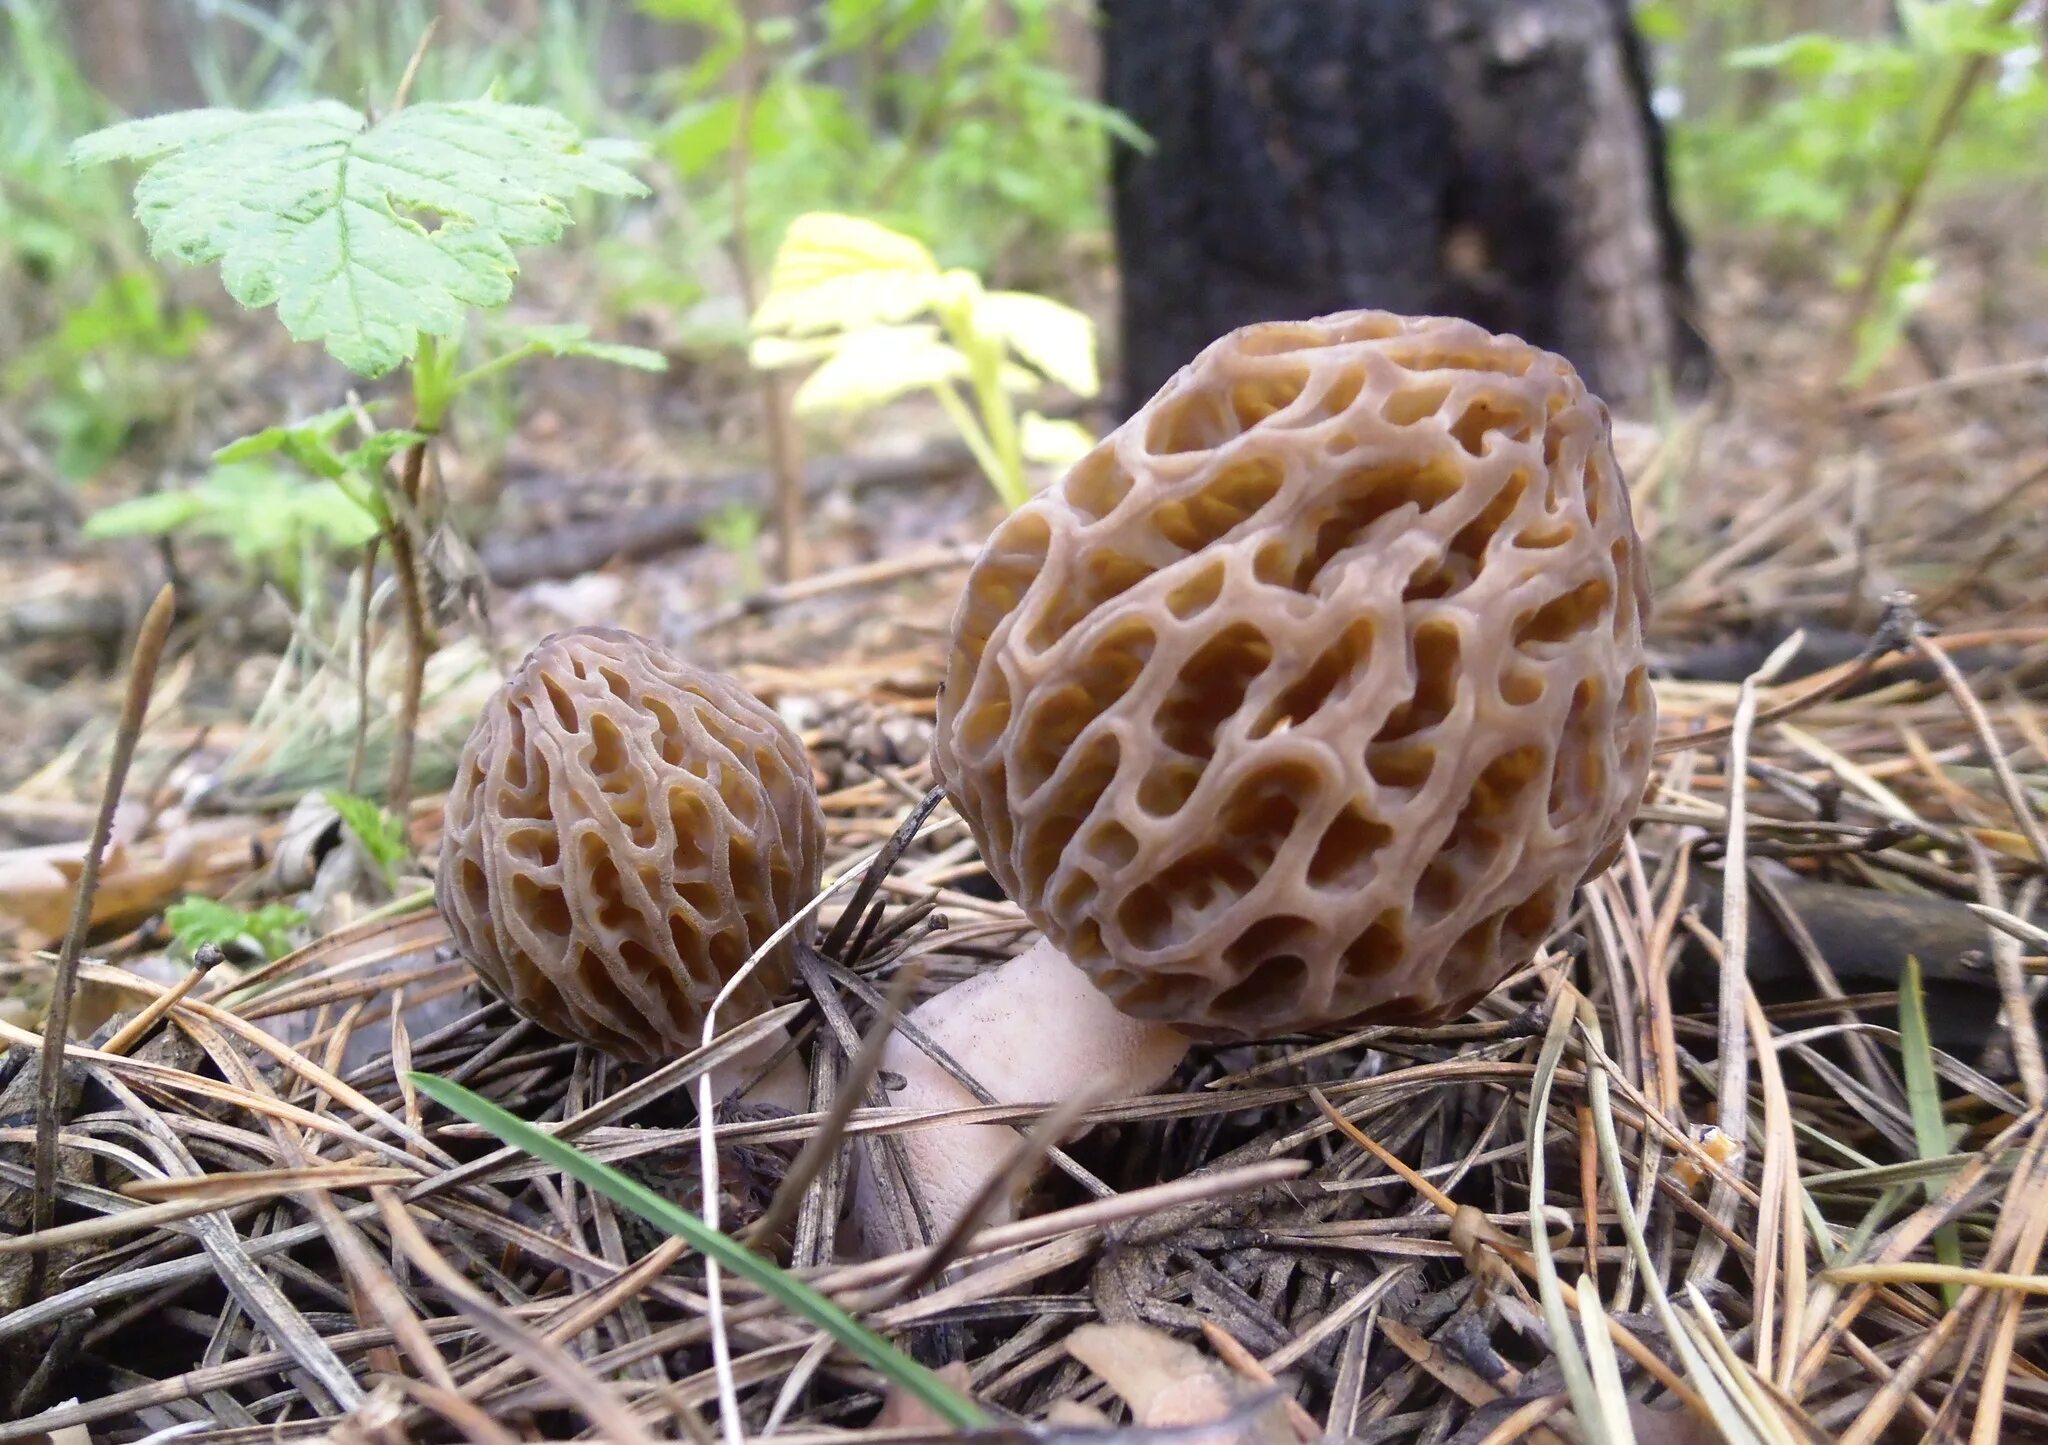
point(1309, 695)
point(625, 830)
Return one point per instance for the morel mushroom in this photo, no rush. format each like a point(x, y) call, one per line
point(625, 831)
point(1305, 700)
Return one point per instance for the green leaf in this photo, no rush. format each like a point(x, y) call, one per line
point(381, 834)
point(363, 238)
point(734, 527)
point(1053, 443)
point(700, 134)
point(329, 513)
point(853, 18)
point(156, 515)
point(310, 443)
point(264, 514)
point(1923, 1100)
point(1904, 287)
point(914, 1379)
point(574, 340)
point(375, 454)
point(724, 16)
point(267, 514)
point(1056, 339)
point(1808, 55)
point(196, 921)
point(1660, 22)
point(840, 273)
point(877, 365)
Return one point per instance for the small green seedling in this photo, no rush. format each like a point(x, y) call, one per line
point(374, 237)
point(264, 933)
point(270, 519)
point(736, 531)
point(380, 833)
point(845, 294)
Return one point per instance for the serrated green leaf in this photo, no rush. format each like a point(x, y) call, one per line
point(1056, 339)
point(840, 273)
point(310, 443)
point(616, 150)
point(196, 920)
point(1053, 443)
point(876, 365)
point(381, 835)
point(376, 452)
point(363, 237)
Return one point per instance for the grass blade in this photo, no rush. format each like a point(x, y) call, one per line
point(1734, 1425)
point(1923, 1099)
point(1610, 1395)
point(1571, 1361)
point(914, 1379)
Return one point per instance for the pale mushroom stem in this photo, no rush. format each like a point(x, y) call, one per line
point(1032, 1031)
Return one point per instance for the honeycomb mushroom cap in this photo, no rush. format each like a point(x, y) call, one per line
point(625, 830)
point(1308, 697)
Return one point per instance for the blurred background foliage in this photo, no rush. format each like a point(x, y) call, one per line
point(1797, 126)
point(971, 125)
point(1802, 127)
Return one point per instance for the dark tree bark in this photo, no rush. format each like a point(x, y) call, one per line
point(1493, 159)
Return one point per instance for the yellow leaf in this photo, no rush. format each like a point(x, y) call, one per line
point(840, 273)
point(1018, 380)
point(1053, 443)
point(1056, 339)
point(879, 364)
point(773, 353)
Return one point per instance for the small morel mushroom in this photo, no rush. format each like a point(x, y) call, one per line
point(1305, 700)
point(625, 831)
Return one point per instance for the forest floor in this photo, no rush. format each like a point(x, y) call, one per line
point(264, 1227)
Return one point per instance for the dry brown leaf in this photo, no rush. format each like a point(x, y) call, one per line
point(902, 1410)
point(1168, 1383)
point(39, 885)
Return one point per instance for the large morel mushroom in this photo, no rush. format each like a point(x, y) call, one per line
point(624, 833)
point(1305, 700)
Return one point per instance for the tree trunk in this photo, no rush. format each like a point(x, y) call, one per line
point(1492, 159)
